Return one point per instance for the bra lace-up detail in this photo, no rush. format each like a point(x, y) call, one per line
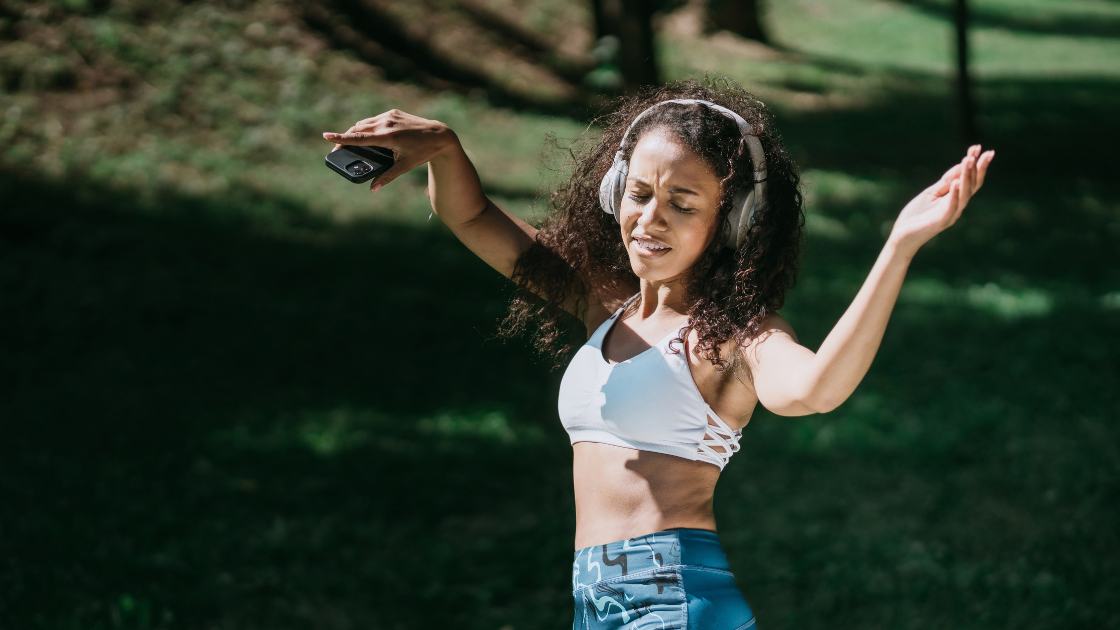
point(648, 402)
point(718, 435)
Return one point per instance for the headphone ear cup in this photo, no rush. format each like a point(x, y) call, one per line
point(740, 210)
point(612, 186)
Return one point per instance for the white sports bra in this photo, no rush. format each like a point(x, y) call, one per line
point(648, 402)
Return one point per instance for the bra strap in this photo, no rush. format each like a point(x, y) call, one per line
point(601, 331)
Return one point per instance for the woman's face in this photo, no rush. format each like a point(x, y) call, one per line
point(669, 208)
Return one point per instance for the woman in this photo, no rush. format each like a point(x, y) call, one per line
point(674, 243)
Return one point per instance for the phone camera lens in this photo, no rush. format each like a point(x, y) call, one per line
point(358, 168)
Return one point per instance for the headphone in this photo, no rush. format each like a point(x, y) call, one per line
point(745, 202)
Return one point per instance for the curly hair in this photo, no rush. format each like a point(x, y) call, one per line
point(579, 252)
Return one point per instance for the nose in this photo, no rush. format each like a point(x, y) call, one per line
point(651, 214)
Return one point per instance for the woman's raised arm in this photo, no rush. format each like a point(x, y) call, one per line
point(792, 380)
point(455, 191)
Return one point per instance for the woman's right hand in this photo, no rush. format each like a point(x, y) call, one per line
point(454, 189)
point(413, 141)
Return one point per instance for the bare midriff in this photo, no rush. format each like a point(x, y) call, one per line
point(624, 493)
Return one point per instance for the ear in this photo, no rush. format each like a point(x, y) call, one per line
point(737, 218)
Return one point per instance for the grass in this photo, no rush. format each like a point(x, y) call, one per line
point(236, 393)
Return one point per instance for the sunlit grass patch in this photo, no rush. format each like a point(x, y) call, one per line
point(230, 103)
point(875, 34)
point(838, 204)
point(836, 188)
point(1007, 53)
point(334, 431)
point(137, 612)
point(832, 55)
point(881, 35)
point(822, 226)
point(492, 426)
point(1005, 303)
point(871, 421)
point(509, 148)
point(867, 421)
point(321, 432)
point(784, 81)
point(1010, 303)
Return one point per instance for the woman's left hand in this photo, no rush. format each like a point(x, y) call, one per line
point(940, 205)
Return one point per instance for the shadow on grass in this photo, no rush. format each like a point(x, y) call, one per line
point(225, 425)
point(1070, 25)
point(379, 38)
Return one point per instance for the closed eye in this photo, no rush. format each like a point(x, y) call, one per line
point(643, 198)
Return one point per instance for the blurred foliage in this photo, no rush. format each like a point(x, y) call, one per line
point(235, 392)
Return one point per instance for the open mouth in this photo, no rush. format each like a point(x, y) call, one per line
point(650, 248)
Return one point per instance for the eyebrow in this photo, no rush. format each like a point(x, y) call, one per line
point(678, 190)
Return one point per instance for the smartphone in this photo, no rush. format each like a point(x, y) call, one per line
point(359, 164)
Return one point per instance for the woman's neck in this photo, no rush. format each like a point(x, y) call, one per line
point(662, 296)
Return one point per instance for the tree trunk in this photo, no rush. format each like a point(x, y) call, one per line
point(967, 110)
point(738, 16)
point(635, 33)
point(608, 14)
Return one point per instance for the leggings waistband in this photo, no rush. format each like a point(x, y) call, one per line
point(670, 547)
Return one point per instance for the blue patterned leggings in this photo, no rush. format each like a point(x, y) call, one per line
point(677, 578)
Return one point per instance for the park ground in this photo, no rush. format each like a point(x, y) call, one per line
point(237, 392)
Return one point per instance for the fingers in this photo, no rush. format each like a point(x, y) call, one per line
point(412, 140)
point(969, 172)
point(963, 197)
point(942, 185)
point(361, 134)
point(972, 159)
point(358, 138)
point(982, 160)
point(954, 200)
point(964, 185)
point(365, 131)
point(982, 167)
point(968, 177)
point(394, 171)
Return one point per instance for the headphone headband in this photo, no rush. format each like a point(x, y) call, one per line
point(746, 203)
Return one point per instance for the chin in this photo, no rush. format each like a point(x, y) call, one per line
point(653, 271)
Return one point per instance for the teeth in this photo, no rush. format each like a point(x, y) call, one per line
point(651, 246)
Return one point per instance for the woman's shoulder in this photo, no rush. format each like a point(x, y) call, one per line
point(774, 333)
point(774, 323)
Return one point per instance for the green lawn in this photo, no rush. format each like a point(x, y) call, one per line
point(237, 392)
